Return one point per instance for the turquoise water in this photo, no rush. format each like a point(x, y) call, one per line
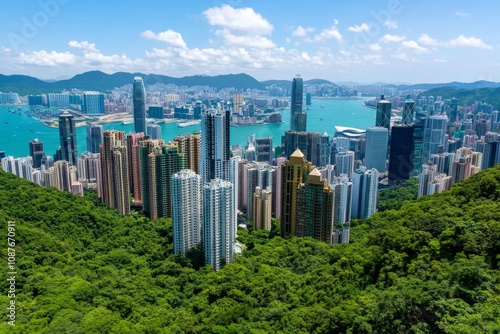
point(21, 129)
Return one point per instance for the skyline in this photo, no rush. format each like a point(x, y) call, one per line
point(390, 41)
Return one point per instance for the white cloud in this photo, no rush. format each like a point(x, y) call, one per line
point(302, 32)
point(259, 42)
point(44, 58)
point(84, 46)
point(412, 45)
point(336, 22)
point(401, 56)
point(440, 60)
point(391, 24)
point(360, 28)
point(427, 40)
point(375, 47)
point(469, 42)
point(238, 20)
point(388, 38)
point(169, 36)
point(327, 34)
point(462, 14)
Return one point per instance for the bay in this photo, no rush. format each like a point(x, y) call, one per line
point(323, 115)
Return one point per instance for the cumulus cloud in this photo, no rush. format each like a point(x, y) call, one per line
point(391, 24)
point(469, 42)
point(238, 20)
point(259, 42)
point(363, 27)
point(388, 38)
point(84, 46)
point(327, 34)
point(45, 58)
point(427, 40)
point(375, 47)
point(412, 45)
point(302, 32)
point(169, 36)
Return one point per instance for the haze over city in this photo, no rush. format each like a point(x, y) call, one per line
point(392, 41)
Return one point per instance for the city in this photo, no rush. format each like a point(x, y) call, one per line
point(220, 203)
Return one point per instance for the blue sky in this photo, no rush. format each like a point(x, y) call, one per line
point(372, 41)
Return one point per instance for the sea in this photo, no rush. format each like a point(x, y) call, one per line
point(17, 130)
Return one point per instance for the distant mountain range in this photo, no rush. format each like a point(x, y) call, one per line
point(489, 95)
point(99, 81)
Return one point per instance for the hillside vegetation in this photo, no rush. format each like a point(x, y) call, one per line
point(430, 267)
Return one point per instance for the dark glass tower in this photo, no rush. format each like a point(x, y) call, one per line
point(408, 110)
point(67, 137)
point(401, 153)
point(139, 97)
point(298, 117)
point(94, 137)
point(36, 152)
point(383, 117)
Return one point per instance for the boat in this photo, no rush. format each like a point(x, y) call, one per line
point(321, 118)
point(127, 122)
point(31, 130)
point(6, 122)
point(189, 123)
point(321, 106)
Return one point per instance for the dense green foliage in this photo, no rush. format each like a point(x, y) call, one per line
point(430, 267)
point(394, 198)
point(468, 96)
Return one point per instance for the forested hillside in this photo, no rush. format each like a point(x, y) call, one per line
point(430, 267)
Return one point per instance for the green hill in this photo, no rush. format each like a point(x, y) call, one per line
point(100, 81)
point(430, 267)
point(468, 96)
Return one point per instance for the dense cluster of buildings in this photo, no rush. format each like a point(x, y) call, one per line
point(313, 183)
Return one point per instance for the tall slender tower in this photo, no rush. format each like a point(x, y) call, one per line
point(219, 226)
point(146, 148)
point(376, 148)
point(262, 207)
point(364, 192)
point(383, 116)
point(314, 208)
point(401, 152)
point(190, 145)
point(94, 137)
point(139, 98)
point(434, 136)
point(162, 163)
point(187, 210)
point(134, 165)
point(215, 149)
point(408, 111)
point(67, 137)
point(114, 172)
point(297, 116)
point(36, 152)
point(293, 173)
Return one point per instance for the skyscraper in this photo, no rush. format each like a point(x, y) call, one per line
point(344, 163)
point(93, 103)
point(190, 146)
point(187, 207)
point(219, 225)
point(401, 153)
point(364, 192)
point(314, 208)
point(134, 165)
point(36, 152)
point(425, 178)
point(262, 206)
point(154, 131)
point(67, 137)
point(325, 150)
point(408, 111)
point(163, 162)
point(258, 175)
point(62, 179)
point(309, 143)
point(343, 199)
point(215, 149)
point(94, 137)
point(264, 149)
point(434, 136)
point(139, 100)
point(297, 116)
point(376, 148)
point(114, 171)
point(146, 148)
point(293, 173)
point(383, 115)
